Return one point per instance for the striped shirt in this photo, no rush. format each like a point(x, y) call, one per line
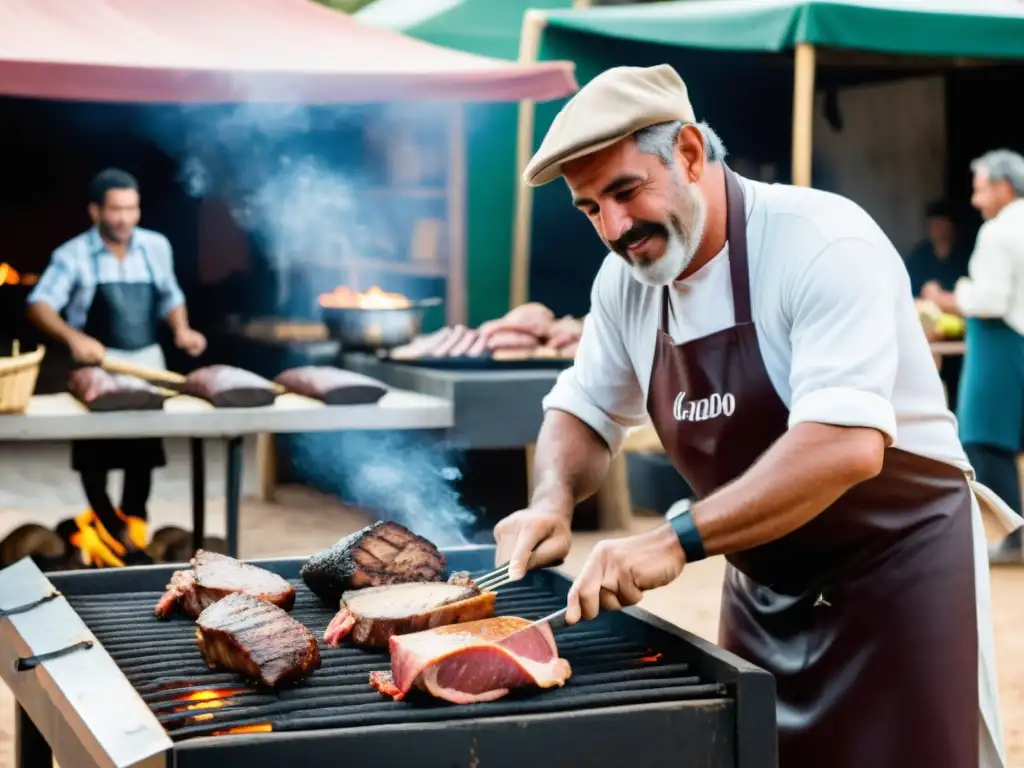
point(69, 282)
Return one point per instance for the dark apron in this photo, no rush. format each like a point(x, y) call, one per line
point(866, 615)
point(990, 404)
point(122, 316)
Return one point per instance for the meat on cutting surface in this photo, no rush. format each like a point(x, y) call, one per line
point(244, 634)
point(371, 616)
point(331, 385)
point(213, 577)
point(100, 390)
point(229, 387)
point(473, 662)
point(382, 553)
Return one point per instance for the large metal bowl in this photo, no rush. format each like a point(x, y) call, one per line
point(373, 329)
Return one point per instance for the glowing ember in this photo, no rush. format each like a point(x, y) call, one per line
point(343, 297)
point(255, 728)
point(654, 657)
point(209, 699)
point(10, 276)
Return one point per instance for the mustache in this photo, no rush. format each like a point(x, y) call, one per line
point(636, 233)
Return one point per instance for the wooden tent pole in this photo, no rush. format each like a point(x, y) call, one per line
point(529, 48)
point(803, 114)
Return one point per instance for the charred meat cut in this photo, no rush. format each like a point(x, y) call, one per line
point(371, 616)
point(333, 386)
point(99, 390)
point(244, 634)
point(213, 577)
point(382, 553)
point(473, 662)
point(229, 387)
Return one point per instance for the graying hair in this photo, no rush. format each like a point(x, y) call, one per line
point(1002, 165)
point(660, 140)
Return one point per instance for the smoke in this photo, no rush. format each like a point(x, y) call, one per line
point(392, 476)
point(304, 182)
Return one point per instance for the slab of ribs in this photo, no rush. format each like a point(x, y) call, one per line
point(213, 577)
point(245, 634)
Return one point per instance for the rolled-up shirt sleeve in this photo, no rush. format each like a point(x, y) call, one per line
point(842, 308)
point(171, 295)
point(986, 292)
point(57, 281)
point(601, 389)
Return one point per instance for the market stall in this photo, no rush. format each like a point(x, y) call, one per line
point(295, 57)
point(766, 55)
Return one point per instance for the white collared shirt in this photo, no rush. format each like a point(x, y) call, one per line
point(995, 284)
point(835, 317)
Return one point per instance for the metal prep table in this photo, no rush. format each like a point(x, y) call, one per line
point(61, 417)
point(492, 409)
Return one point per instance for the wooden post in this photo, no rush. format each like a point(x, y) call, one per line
point(266, 465)
point(803, 114)
point(457, 298)
point(529, 47)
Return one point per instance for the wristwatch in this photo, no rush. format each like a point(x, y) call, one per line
point(689, 537)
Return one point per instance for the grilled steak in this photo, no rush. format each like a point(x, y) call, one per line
point(467, 663)
point(371, 616)
point(332, 385)
point(382, 553)
point(251, 636)
point(228, 387)
point(103, 391)
point(213, 577)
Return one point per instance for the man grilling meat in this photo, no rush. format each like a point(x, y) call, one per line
point(769, 333)
point(104, 293)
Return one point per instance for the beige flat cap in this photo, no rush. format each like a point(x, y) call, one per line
point(615, 104)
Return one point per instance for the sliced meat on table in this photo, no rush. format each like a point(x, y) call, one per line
point(213, 577)
point(421, 346)
point(100, 390)
point(472, 662)
point(228, 387)
point(332, 386)
point(258, 639)
point(465, 344)
point(382, 553)
point(506, 339)
point(373, 615)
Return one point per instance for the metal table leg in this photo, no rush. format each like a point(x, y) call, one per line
point(30, 748)
point(198, 493)
point(233, 492)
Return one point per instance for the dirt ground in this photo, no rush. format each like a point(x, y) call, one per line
point(302, 521)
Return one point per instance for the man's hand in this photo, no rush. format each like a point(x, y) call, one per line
point(532, 538)
point(619, 571)
point(190, 341)
point(85, 349)
point(943, 299)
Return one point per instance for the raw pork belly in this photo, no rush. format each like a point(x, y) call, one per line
point(472, 662)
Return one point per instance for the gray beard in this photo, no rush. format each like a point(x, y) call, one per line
point(680, 248)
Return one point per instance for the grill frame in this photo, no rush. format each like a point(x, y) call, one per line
point(737, 729)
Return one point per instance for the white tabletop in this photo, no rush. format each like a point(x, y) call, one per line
point(62, 417)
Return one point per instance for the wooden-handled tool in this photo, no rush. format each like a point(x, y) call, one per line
point(116, 365)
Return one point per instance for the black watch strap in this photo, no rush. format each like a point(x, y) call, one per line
point(689, 537)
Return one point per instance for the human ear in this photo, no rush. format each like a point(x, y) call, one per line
point(94, 213)
point(689, 151)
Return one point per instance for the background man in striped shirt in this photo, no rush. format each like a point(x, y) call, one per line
point(104, 293)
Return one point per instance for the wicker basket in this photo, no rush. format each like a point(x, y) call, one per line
point(18, 374)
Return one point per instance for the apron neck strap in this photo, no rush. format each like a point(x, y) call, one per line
point(736, 234)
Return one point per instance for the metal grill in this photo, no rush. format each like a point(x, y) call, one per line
point(162, 661)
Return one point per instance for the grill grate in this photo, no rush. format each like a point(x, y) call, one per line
point(163, 662)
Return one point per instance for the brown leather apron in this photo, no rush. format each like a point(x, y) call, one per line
point(866, 615)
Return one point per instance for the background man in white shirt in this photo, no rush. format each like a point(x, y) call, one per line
point(990, 406)
point(771, 335)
